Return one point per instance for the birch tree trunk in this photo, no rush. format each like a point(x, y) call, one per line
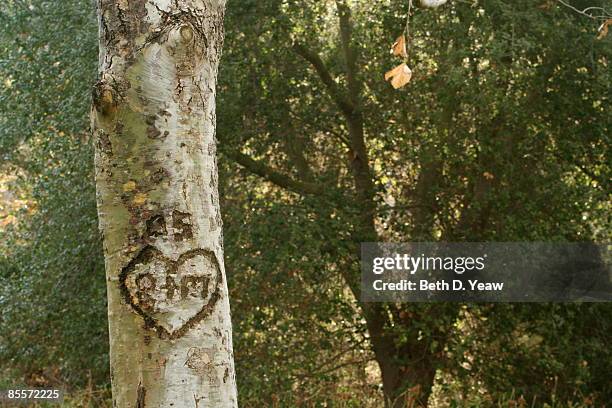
point(154, 126)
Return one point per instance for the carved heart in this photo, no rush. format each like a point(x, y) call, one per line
point(172, 296)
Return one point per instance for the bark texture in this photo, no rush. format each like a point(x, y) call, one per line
point(156, 174)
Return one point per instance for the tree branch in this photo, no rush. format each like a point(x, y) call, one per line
point(605, 14)
point(344, 16)
point(268, 173)
point(332, 88)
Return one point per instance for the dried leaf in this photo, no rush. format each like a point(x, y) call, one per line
point(603, 30)
point(399, 76)
point(399, 47)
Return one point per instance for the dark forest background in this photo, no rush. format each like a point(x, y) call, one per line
point(502, 135)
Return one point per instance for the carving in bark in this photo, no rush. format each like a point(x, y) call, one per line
point(153, 120)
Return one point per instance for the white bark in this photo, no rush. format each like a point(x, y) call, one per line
point(156, 175)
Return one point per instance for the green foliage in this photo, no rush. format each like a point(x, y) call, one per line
point(550, 352)
point(502, 135)
point(52, 303)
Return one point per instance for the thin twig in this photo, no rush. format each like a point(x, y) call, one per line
point(407, 27)
point(586, 12)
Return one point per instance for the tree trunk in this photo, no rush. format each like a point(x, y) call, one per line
point(154, 126)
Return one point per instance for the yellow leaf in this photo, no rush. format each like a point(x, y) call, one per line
point(399, 76)
point(139, 199)
point(399, 47)
point(129, 186)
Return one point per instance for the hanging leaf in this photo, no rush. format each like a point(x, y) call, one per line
point(603, 30)
point(399, 76)
point(399, 47)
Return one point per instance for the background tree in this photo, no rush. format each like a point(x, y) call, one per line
point(452, 157)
